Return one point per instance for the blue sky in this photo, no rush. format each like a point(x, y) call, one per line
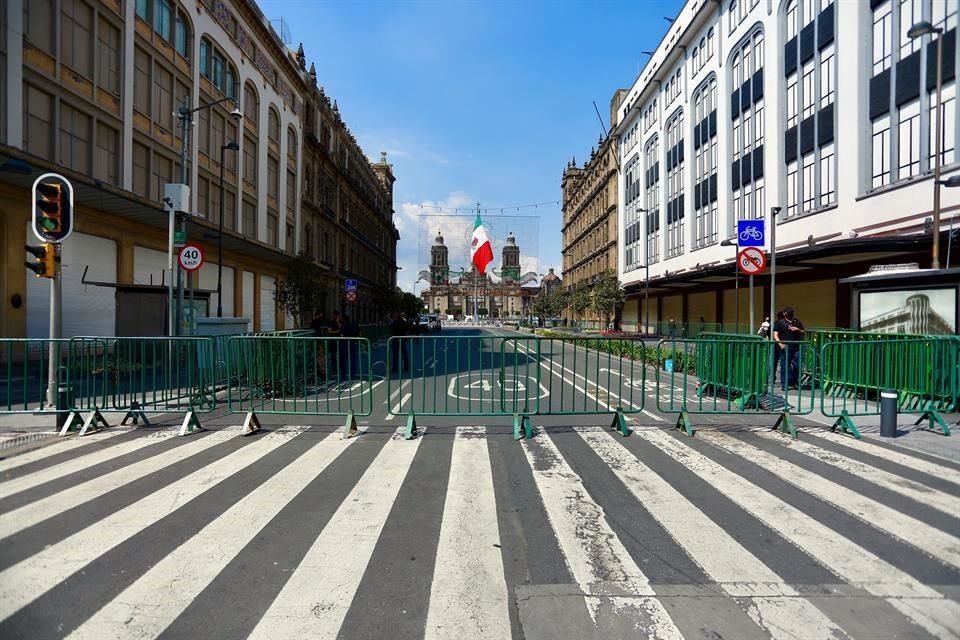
point(475, 101)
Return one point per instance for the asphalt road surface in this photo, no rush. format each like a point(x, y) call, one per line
point(464, 533)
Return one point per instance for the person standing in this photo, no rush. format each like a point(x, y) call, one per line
point(764, 331)
point(788, 331)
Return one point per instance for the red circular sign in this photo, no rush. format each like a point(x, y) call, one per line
point(751, 261)
point(190, 257)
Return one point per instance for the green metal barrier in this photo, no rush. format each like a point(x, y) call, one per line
point(299, 376)
point(923, 370)
point(136, 376)
point(24, 369)
point(731, 375)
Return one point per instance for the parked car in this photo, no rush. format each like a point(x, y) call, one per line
point(433, 322)
point(423, 325)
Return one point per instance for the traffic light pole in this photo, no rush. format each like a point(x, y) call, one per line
point(56, 329)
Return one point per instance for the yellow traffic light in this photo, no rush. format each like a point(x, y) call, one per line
point(46, 264)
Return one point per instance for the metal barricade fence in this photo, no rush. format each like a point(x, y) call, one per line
point(733, 375)
point(923, 371)
point(139, 375)
point(24, 374)
point(297, 375)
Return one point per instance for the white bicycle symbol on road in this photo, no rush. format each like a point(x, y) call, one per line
point(751, 233)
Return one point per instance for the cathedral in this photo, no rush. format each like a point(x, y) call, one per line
point(452, 293)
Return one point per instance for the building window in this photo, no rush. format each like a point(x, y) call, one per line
point(273, 125)
point(748, 115)
point(291, 194)
point(76, 36)
point(141, 170)
point(141, 81)
point(75, 137)
point(108, 57)
point(249, 219)
point(106, 163)
point(162, 97)
point(652, 199)
point(675, 185)
point(737, 12)
point(631, 197)
point(38, 21)
point(273, 177)
point(811, 72)
point(162, 19)
point(181, 41)
point(216, 67)
point(273, 229)
point(705, 163)
point(38, 122)
point(250, 161)
point(251, 106)
point(902, 98)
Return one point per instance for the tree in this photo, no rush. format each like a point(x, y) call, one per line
point(303, 290)
point(386, 299)
point(549, 303)
point(579, 300)
point(607, 295)
point(410, 305)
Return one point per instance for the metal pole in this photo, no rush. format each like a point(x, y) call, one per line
point(774, 211)
point(646, 299)
point(223, 150)
point(53, 350)
point(736, 286)
point(171, 321)
point(935, 263)
point(186, 121)
point(751, 305)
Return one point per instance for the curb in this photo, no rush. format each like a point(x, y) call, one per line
point(23, 438)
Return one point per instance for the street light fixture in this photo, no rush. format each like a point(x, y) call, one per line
point(230, 146)
point(951, 182)
point(919, 30)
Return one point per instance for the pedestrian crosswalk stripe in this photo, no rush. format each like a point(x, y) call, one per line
point(920, 603)
point(80, 463)
point(905, 459)
point(774, 605)
point(63, 446)
point(158, 596)
point(314, 601)
point(81, 492)
point(30, 578)
point(468, 596)
point(909, 488)
point(933, 541)
point(600, 564)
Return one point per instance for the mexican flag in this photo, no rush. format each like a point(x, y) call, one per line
point(481, 252)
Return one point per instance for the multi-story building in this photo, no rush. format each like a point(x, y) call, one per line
point(823, 110)
point(347, 211)
point(589, 208)
point(93, 89)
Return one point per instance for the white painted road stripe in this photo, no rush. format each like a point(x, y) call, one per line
point(776, 609)
point(42, 476)
point(26, 581)
point(315, 600)
point(155, 600)
point(396, 409)
point(909, 461)
point(595, 555)
point(856, 565)
point(60, 445)
point(468, 595)
point(904, 486)
point(938, 544)
point(38, 511)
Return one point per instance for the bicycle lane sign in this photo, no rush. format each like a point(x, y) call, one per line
point(751, 233)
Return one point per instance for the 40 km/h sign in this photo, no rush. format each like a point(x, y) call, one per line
point(751, 261)
point(190, 257)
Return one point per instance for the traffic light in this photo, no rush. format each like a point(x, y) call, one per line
point(52, 207)
point(46, 265)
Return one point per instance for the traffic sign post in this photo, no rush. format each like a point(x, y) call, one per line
point(350, 284)
point(750, 233)
point(351, 296)
point(190, 257)
point(751, 261)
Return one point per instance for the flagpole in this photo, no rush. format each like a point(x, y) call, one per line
point(476, 278)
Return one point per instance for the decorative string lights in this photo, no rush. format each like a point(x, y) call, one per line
point(437, 209)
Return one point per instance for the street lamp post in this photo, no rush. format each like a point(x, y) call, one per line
point(230, 146)
point(732, 242)
point(919, 30)
point(951, 183)
point(185, 116)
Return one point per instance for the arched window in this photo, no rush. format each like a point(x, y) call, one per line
point(747, 113)
point(216, 67)
point(808, 143)
point(292, 145)
point(676, 206)
point(183, 35)
point(652, 199)
point(705, 163)
point(273, 125)
point(251, 105)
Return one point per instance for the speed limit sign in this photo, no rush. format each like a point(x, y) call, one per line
point(190, 257)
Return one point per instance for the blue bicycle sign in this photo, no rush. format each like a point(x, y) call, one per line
point(750, 233)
